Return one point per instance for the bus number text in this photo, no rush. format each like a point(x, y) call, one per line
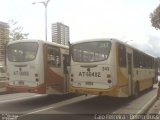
point(90, 74)
point(105, 68)
point(24, 73)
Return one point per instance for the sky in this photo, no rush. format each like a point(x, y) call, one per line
point(127, 20)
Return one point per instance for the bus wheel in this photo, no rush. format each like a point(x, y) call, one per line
point(136, 91)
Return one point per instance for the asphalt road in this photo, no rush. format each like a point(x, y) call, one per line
point(104, 104)
point(43, 107)
point(23, 103)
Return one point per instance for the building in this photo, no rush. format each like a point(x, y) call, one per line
point(60, 33)
point(4, 38)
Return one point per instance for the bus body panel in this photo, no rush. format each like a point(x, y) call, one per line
point(54, 82)
point(54, 74)
point(38, 75)
point(126, 71)
point(88, 75)
point(27, 76)
point(24, 74)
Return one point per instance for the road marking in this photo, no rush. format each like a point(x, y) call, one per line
point(22, 98)
point(65, 102)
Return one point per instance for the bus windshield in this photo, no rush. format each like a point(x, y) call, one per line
point(22, 52)
point(91, 51)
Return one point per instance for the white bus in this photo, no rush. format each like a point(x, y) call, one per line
point(110, 67)
point(38, 67)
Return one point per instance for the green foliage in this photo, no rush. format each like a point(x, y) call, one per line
point(16, 31)
point(155, 18)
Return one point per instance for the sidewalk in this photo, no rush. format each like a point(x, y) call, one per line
point(155, 109)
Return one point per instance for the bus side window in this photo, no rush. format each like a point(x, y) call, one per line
point(122, 55)
point(54, 56)
point(136, 59)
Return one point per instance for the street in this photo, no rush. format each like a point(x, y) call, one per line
point(38, 107)
point(23, 103)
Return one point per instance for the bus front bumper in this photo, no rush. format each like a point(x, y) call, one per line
point(92, 91)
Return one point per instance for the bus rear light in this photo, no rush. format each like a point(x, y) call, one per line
point(37, 79)
point(109, 81)
point(36, 75)
point(72, 75)
point(108, 76)
point(72, 80)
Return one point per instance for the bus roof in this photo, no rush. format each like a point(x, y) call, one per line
point(39, 41)
point(115, 40)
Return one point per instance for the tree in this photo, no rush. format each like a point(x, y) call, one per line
point(16, 31)
point(155, 18)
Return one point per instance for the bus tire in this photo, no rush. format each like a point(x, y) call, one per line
point(136, 90)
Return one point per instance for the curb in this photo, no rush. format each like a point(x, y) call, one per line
point(145, 109)
point(148, 105)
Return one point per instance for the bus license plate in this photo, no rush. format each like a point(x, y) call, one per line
point(89, 83)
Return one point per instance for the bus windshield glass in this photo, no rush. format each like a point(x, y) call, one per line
point(22, 52)
point(91, 51)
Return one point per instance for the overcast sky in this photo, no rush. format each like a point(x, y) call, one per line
point(122, 19)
